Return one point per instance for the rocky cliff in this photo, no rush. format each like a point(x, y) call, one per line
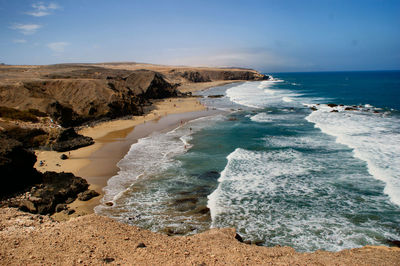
point(75, 93)
point(73, 96)
point(16, 166)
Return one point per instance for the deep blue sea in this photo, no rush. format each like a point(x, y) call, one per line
point(307, 160)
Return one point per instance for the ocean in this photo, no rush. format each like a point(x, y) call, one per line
point(307, 160)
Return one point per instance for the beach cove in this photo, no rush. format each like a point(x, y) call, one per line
point(181, 148)
point(98, 162)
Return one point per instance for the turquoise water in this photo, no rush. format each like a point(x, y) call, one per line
point(274, 169)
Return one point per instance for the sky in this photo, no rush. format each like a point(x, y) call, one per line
point(269, 35)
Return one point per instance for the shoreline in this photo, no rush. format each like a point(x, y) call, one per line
point(97, 163)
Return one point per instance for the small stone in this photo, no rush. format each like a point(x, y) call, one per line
point(141, 245)
point(108, 260)
point(69, 211)
point(63, 157)
point(238, 238)
point(109, 203)
point(126, 238)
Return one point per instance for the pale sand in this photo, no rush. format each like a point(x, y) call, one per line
point(111, 144)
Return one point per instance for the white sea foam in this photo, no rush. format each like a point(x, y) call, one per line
point(262, 118)
point(287, 99)
point(151, 155)
point(260, 94)
point(279, 197)
point(284, 119)
point(374, 138)
point(256, 173)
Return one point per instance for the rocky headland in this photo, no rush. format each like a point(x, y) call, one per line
point(42, 106)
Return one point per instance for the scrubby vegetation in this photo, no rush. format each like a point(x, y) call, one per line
point(37, 112)
point(12, 113)
point(30, 138)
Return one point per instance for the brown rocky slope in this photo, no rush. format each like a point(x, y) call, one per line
point(75, 93)
point(96, 240)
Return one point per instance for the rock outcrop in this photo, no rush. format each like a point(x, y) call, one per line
point(16, 166)
point(68, 140)
point(55, 189)
point(22, 186)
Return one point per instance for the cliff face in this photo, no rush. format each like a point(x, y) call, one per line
point(213, 75)
point(75, 93)
point(76, 96)
point(16, 166)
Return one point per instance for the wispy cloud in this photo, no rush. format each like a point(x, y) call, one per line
point(41, 9)
point(57, 47)
point(19, 41)
point(26, 29)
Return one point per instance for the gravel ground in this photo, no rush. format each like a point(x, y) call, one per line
point(27, 239)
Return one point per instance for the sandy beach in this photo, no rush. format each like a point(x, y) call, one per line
point(98, 162)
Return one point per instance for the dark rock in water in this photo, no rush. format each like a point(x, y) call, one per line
point(185, 200)
point(61, 207)
point(109, 203)
point(87, 195)
point(63, 157)
point(185, 204)
point(141, 245)
point(216, 96)
point(238, 238)
point(393, 242)
point(332, 105)
point(313, 108)
point(70, 140)
point(213, 175)
point(334, 111)
point(257, 242)
point(16, 167)
point(376, 112)
point(203, 210)
point(350, 109)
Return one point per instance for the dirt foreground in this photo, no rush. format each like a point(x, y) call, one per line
point(28, 239)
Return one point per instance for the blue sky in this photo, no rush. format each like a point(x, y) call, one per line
point(271, 36)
